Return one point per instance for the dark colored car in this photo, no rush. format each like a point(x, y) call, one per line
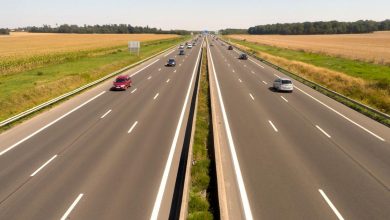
point(181, 52)
point(171, 62)
point(230, 47)
point(243, 56)
point(121, 82)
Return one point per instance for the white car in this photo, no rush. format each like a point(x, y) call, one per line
point(189, 46)
point(283, 84)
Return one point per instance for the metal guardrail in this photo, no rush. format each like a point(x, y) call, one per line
point(332, 94)
point(82, 88)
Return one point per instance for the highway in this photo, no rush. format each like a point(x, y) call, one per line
point(297, 155)
point(102, 154)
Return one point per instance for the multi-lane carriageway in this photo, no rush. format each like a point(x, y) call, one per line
point(115, 155)
point(102, 154)
point(297, 155)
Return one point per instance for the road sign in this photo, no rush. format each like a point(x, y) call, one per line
point(134, 47)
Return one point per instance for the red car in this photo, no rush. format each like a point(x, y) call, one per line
point(121, 82)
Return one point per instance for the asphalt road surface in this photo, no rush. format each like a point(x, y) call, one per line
point(297, 155)
point(102, 154)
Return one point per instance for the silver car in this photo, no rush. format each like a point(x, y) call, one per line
point(283, 84)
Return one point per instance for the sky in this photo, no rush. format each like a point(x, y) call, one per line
point(185, 14)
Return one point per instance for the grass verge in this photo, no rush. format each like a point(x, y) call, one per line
point(372, 90)
point(354, 68)
point(202, 198)
point(24, 90)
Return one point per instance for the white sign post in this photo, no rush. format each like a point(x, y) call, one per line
point(134, 47)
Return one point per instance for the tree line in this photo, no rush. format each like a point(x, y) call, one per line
point(233, 31)
point(318, 27)
point(321, 27)
point(100, 29)
point(4, 31)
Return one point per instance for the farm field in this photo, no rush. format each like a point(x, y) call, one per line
point(26, 51)
point(21, 44)
point(47, 75)
point(365, 82)
point(374, 48)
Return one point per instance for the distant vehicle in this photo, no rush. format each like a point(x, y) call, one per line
point(283, 84)
point(181, 52)
point(243, 56)
point(171, 62)
point(121, 82)
point(211, 44)
point(230, 47)
point(189, 46)
point(181, 46)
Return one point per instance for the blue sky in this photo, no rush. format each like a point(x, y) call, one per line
point(185, 14)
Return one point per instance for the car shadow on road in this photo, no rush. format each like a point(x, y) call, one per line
point(272, 89)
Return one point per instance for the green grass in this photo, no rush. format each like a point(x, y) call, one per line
point(23, 90)
point(199, 200)
point(364, 70)
point(372, 88)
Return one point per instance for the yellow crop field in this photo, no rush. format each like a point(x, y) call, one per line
point(20, 44)
point(373, 47)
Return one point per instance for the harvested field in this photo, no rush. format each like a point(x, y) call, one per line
point(25, 51)
point(20, 44)
point(371, 88)
point(373, 47)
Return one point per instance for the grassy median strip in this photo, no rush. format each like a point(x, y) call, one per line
point(202, 188)
point(23, 90)
point(364, 82)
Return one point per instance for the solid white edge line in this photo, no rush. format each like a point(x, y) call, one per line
point(161, 190)
point(105, 114)
point(65, 216)
point(251, 96)
point(284, 98)
point(155, 96)
point(41, 167)
point(276, 75)
point(132, 127)
point(144, 68)
point(51, 123)
point(273, 126)
point(339, 216)
point(345, 117)
point(256, 63)
point(319, 128)
point(265, 82)
point(134, 90)
point(169, 52)
point(237, 169)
